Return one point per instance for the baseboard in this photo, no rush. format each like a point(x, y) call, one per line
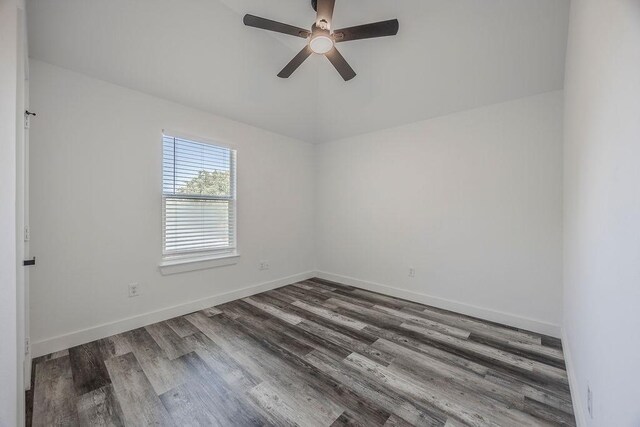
point(581, 419)
point(509, 319)
point(84, 336)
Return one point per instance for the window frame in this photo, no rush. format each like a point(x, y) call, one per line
point(200, 258)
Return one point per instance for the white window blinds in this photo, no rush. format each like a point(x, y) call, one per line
point(198, 197)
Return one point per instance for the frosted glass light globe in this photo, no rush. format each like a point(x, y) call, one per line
point(321, 44)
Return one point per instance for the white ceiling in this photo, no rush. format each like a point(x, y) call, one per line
point(450, 55)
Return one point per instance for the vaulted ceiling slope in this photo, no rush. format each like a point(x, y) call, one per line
point(450, 55)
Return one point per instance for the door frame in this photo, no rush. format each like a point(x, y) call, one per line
point(22, 214)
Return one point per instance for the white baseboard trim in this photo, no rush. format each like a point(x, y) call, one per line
point(84, 336)
point(509, 319)
point(581, 420)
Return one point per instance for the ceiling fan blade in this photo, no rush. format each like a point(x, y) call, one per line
point(278, 27)
point(325, 10)
point(341, 64)
point(295, 62)
point(367, 31)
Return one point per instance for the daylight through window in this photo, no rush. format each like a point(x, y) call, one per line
point(198, 198)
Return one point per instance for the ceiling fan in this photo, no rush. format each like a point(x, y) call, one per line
point(322, 38)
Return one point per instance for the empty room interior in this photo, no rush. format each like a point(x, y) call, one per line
point(320, 213)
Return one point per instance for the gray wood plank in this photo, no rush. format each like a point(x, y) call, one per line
point(156, 365)
point(396, 421)
point(426, 323)
point(87, 365)
point(334, 317)
point(100, 408)
point(172, 345)
point(211, 311)
point(475, 325)
point(491, 353)
point(222, 363)
point(274, 311)
point(419, 391)
point(181, 326)
point(384, 397)
point(206, 399)
point(54, 394)
point(139, 402)
point(281, 408)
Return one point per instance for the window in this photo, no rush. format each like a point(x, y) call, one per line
point(198, 198)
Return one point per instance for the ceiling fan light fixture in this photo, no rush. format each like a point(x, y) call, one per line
point(321, 44)
point(321, 39)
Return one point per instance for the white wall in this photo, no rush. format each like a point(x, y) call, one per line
point(472, 201)
point(602, 210)
point(10, 387)
point(96, 198)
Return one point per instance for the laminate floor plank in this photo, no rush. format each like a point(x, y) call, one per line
point(182, 327)
point(432, 367)
point(100, 408)
point(87, 366)
point(276, 366)
point(157, 367)
point(274, 333)
point(206, 399)
point(318, 286)
point(325, 385)
point(385, 300)
point(211, 311)
point(140, 404)
point(421, 392)
point(315, 353)
point(222, 363)
point(284, 411)
point(336, 285)
point(364, 314)
point(306, 296)
point(547, 355)
point(116, 345)
point(429, 324)
point(384, 397)
point(346, 342)
point(480, 327)
point(239, 308)
point(171, 344)
point(54, 394)
point(331, 315)
point(317, 342)
point(253, 356)
point(274, 311)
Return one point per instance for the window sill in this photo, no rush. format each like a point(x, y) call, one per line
point(184, 265)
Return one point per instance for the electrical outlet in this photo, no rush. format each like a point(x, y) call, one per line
point(590, 402)
point(134, 290)
point(27, 233)
point(412, 272)
point(264, 265)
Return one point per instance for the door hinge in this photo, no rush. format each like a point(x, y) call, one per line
point(27, 118)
